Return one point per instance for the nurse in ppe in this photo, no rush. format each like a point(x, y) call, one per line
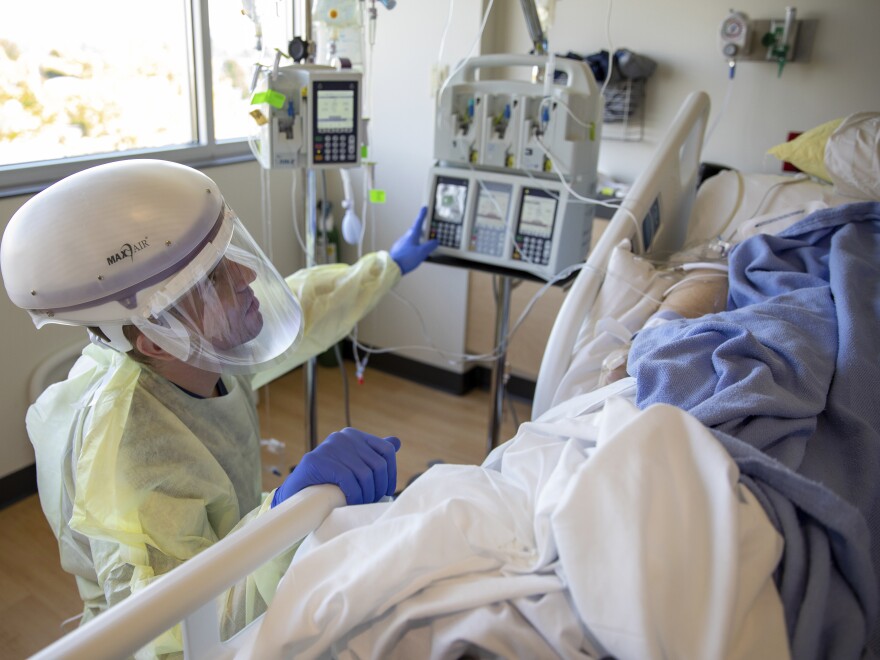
point(149, 452)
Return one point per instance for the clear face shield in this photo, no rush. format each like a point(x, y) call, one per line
point(235, 315)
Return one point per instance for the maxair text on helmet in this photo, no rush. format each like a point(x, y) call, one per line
point(126, 251)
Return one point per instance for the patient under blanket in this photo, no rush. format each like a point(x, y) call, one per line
point(572, 540)
point(720, 504)
point(788, 379)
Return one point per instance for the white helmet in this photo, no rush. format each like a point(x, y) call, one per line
point(150, 243)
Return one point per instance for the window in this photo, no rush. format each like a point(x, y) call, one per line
point(86, 82)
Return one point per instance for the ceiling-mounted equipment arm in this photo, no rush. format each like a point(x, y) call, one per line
point(533, 23)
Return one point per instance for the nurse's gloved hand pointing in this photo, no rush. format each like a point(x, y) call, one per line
point(364, 466)
point(408, 250)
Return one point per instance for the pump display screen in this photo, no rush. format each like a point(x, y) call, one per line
point(492, 204)
point(537, 213)
point(335, 111)
point(490, 218)
point(335, 119)
point(450, 199)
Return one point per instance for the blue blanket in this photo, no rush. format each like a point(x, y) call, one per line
point(788, 379)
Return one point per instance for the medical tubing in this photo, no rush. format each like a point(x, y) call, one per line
point(266, 212)
point(337, 350)
point(510, 405)
point(457, 358)
point(721, 111)
point(445, 33)
point(568, 109)
point(368, 76)
point(293, 206)
point(469, 55)
point(704, 265)
point(797, 178)
point(610, 48)
point(565, 184)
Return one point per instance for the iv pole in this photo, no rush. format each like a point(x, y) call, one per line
point(502, 297)
point(304, 19)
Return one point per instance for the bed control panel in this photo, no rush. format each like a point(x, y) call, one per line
point(516, 222)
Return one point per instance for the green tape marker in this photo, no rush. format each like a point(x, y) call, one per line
point(270, 96)
point(377, 196)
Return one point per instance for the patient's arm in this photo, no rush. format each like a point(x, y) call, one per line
point(702, 291)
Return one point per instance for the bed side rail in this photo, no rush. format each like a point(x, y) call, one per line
point(187, 594)
point(654, 215)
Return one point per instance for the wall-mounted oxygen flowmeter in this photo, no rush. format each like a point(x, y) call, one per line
point(307, 115)
point(780, 40)
point(735, 35)
point(513, 157)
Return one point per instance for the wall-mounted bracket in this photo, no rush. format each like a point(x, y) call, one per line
point(802, 36)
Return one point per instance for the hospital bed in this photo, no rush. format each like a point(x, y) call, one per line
point(685, 538)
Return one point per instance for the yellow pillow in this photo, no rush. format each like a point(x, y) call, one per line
point(807, 151)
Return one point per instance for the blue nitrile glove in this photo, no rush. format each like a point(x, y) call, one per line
point(408, 251)
point(364, 466)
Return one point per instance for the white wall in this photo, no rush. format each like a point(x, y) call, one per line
point(402, 133)
point(681, 35)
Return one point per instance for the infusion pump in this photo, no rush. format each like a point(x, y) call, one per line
point(512, 157)
point(526, 224)
point(307, 115)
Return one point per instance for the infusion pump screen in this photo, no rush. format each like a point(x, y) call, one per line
point(537, 214)
point(535, 228)
point(335, 110)
point(490, 219)
point(334, 132)
point(450, 204)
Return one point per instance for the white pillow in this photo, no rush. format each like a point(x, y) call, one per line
point(852, 156)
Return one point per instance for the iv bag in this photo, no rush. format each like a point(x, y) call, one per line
point(338, 30)
point(546, 13)
point(337, 13)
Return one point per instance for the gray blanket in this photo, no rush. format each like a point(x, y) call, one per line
point(788, 379)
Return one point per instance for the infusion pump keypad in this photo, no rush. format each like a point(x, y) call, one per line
point(448, 234)
point(335, 148)
point(534, 250)
point(487, 241)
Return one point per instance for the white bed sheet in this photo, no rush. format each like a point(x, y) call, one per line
point(732, 199)
point(591, 532)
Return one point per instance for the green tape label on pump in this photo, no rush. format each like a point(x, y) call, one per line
point(377, 196)
point(270, 96)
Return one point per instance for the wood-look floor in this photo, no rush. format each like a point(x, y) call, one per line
point(37, 596)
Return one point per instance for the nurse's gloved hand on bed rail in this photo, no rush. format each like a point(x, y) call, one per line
point(408, 250)
point(364, 466)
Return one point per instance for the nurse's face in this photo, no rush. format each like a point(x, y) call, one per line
point(223, 306)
